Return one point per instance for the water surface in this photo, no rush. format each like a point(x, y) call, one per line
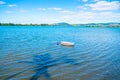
point(32, 53)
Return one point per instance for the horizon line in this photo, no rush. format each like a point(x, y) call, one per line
point(58, 23)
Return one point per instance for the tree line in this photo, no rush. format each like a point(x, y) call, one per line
point(12, 24)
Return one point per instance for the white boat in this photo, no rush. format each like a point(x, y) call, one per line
point(64, 43)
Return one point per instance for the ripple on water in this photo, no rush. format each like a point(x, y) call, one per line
point(29, 54)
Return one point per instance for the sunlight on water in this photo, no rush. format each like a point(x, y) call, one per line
point(32, 53)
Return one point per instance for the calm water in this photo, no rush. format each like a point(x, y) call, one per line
point(31, 53)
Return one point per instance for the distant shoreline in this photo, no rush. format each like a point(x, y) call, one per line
point(110, 25)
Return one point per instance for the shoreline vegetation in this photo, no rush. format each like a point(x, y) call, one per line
point(112, 25)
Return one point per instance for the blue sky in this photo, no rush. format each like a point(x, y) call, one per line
point(54, 11)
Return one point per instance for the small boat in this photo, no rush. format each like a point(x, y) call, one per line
point(64, 43)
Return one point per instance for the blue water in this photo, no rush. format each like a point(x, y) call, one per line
point(32, 53)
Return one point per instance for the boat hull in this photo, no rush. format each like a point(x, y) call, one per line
point(67, 43)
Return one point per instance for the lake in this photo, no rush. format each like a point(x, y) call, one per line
point(32, 53)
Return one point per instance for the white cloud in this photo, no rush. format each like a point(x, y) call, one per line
point(12, 5)
point(91, 17)
point(104, 5)
point(80, 15)
point(83, 7)
point(67, 12)
point(83, 0)
point(55, 8)
point(23, 11)
point(2, 2)
point(43, 9)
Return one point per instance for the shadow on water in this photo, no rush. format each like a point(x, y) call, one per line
point(42, 62)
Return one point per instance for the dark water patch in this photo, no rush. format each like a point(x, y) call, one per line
point(42, 63)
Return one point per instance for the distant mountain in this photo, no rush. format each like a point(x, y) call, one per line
point(62, 24)
point(111, 24)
